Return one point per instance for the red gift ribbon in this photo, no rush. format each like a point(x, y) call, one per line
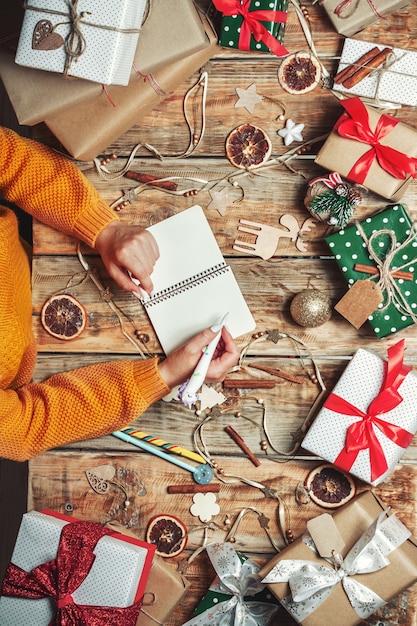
point(361, 435)
point(355, 126)
point(251, 24)
point(59, 578)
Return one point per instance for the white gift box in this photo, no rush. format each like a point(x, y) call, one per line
point(395, 81)
point(359, 385)
point(108, 32)
point(117, 577)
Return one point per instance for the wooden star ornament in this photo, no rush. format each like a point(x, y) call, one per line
point(248, 98)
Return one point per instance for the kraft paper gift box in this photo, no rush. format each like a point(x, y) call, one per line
point(370, 418)
point(236, 595)
point(394, 81)
point(101, 580)
point(85, 38)
point(253, 25)
point(385, 165)
point(357, 591)
point(349, 18)
point(385, 242)
point(91, 127)
point(165, 587)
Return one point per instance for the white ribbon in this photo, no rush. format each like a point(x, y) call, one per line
point(238, 580)
point(311, 583)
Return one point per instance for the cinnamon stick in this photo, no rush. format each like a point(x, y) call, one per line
point(362, 72)
point(251, 383)
point(275, 372)
point(370, 269)
point(242, 445)
point(214, 488)
point(151, 180)
point(349, 70)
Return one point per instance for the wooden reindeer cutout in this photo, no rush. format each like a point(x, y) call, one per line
point(267, 237)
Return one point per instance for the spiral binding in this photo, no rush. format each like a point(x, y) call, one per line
point(188, 283)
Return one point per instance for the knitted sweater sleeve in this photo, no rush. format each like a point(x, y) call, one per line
point(76, 405)
point(51, 188)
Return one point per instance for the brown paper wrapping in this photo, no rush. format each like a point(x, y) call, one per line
point(89, 128)
point(359, 14)
point(164, 590)
point(339, 155)
point(352, 520)
point(171, 32)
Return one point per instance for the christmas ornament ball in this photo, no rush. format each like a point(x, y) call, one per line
point(311, 308)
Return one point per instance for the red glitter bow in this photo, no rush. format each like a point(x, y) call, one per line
point(355, 126)
point(59, 578)
point(361, 435)
point(251, 24)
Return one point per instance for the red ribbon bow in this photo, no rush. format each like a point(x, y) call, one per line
point(355, 126)
point(59, 578)
point(251, 24)
point(361, 435)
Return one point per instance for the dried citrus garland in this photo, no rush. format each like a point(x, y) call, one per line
point(248, 147)
point(299, 73)
point(63, 316)
point(326, 486)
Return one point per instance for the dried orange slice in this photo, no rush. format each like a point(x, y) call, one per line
point(299, 73)
point(248, 147)
point(63, 316)
point(330, 487)
point(168, 533)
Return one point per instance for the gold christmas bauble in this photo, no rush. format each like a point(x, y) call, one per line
point(311, 308)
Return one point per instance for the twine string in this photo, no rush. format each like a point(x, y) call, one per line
point(386, 281)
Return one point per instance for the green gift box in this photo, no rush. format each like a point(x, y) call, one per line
point(241, 24)
point(236, 593)
point(386, 243)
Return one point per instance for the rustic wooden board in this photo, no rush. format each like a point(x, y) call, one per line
point(57, 478)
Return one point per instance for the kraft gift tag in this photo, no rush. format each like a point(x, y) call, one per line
point(360, 302)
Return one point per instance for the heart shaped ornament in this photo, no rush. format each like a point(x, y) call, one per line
point(44, 37)
point(99, 478)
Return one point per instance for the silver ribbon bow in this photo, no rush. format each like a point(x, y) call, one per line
point(238, 580)
point(311, 583)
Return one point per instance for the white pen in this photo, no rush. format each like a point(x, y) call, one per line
point(188, 391)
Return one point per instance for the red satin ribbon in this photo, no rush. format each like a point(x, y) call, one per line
point(361, 435)
point(355, 126)
point(59, 578)
point(251, 24)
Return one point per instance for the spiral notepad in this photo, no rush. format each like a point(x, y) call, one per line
point(193, 285)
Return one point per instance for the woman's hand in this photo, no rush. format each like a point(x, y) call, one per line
point(127, 248)
point(180, 364)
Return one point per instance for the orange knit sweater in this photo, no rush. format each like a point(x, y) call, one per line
point(83, 403)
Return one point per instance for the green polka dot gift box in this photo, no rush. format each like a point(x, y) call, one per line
point(257, 25)
point(385, 245)
point(236, 595)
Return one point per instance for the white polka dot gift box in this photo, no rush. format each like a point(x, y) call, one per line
point(376, 562)
point(391, 75)
point(253, 25)
point(73, 572)
point(372, 149)
point(84, 38)
point(370, 418)
point(385, 243)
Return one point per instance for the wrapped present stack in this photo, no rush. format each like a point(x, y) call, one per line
point(90, 112)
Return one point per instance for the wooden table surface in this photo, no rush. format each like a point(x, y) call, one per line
point(58, 478)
